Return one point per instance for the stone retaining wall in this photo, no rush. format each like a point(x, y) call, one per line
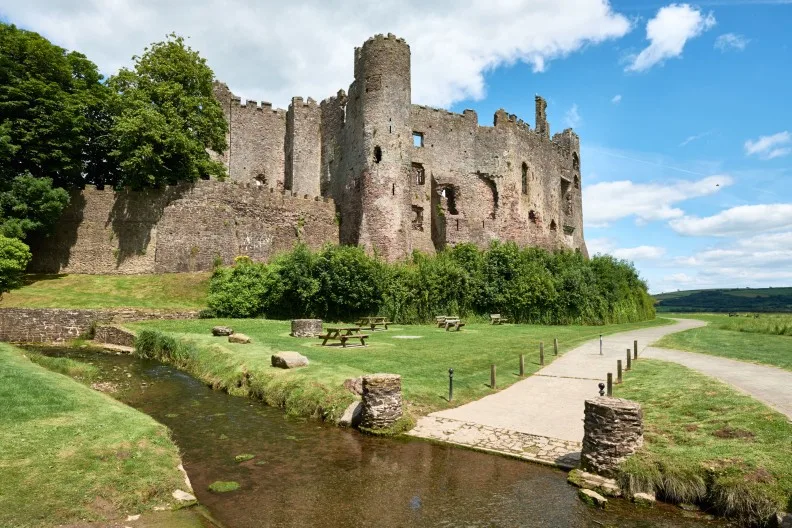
point(53, 325)
point(114, 335)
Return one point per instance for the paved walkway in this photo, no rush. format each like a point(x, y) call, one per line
point(544, 409)
point(770, 385)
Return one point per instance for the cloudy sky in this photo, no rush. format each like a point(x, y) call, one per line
point(683, 109)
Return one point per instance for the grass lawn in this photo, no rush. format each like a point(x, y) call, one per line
point(175, 291)
point(707, 443)
point(421, 354)
point(741, 338)
point(69, 454)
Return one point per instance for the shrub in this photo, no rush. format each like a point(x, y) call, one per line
point(526, 284)
point(14, 258)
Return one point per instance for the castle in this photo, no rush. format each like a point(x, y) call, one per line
point(367, 167)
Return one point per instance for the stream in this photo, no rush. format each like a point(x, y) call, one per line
point(305, 473)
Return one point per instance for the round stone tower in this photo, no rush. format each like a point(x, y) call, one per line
point(382, 72)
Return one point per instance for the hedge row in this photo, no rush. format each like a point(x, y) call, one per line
point(342, 283)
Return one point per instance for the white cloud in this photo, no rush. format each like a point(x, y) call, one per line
point(731, 41)
point(609, 201)
point(695, 137)
point(668, 32)
point(769, 147)
point(274, 50)
point(741, 220)
point(639, 253)
point(766, 242)
point(616, 99)
point(680, 278)
point(572, 117)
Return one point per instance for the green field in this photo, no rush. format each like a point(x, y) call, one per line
point(174, 291)
point(421, 354)
point(766, 339)
point(69, 454)
point(726, 300)
point(706, 443)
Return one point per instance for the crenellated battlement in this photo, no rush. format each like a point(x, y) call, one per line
point(390, 38)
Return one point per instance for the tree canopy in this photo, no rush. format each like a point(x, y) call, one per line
point(53, 109)
point(166, 117)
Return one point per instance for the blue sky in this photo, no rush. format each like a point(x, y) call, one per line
point(683, 109)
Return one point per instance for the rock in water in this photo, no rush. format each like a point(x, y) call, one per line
point(238, 338)
point(352, 415)
point(644, 499)
point(593, 498)
point(289, 360)
point(222, 331)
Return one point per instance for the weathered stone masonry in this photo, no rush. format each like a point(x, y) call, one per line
point(366, 167)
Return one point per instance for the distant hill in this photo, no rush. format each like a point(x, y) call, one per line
point(726, 300)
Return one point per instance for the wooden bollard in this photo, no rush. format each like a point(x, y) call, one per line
point(522, 365)
point(629, 360)
point(492, 377)
point(541, 354)
point(610, 384)
point(618, 371)
point(555, 346)
point(635, 349)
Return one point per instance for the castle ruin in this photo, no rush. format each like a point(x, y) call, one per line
point(366, 167)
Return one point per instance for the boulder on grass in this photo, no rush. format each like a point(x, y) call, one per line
point(354, 385)
point(289, 360)
point(222, 331)
point(238, 338)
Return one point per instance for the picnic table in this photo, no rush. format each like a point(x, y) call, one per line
point(456, 324)
point(374, 322)
point(343, 334)
point(497, 319)
point(441, 319)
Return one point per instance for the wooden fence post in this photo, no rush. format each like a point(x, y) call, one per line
point(522, 365)
point(492, 377)
point(541, 354)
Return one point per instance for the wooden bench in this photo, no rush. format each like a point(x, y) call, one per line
point(456, 324)
point(343, 334)
point(496, 319)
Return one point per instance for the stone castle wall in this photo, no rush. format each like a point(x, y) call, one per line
point(180, 228)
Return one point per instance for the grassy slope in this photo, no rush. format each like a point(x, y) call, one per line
point(704, 438)
point(726, 300)
point(177, 291)
point(68, 453)
point(423, 363)
point(741, 339)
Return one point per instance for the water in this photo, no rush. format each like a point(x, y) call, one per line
point(308, 474)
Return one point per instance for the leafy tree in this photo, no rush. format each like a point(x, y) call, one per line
point(14, 257)
point(167, 117)
point(53, 112)
point(29, 205)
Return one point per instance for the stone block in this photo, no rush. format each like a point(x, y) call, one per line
point(612, 432)
point(603, 485)
point(306, 327)
point(289, 360)
point(592, 498)
point(644, 499)
point(352, 415)
point(382, 400)
point(239, 338)
point(354, 385)
point(222, 331)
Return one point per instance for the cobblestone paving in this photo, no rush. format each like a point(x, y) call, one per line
point(561, 453)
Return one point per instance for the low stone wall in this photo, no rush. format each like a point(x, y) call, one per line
point(114, 335)
point(306, 327)
point(382, 401)
point(54, 325)
point(613, 430)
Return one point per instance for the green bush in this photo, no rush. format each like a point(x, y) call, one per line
point(528, 285)
point(14, 257)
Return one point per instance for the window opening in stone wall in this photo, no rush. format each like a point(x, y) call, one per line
point(566, 197)
point(261, 180)
point(419, 175)
point(377, 154)
point(393, 190)
point(417, 221)
point(532, 216)
point(418, 139)
point(457, 224)
point(575, 161)
point(553, 226)
point(577, 182)
point(524, 178)
point(450, 195)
